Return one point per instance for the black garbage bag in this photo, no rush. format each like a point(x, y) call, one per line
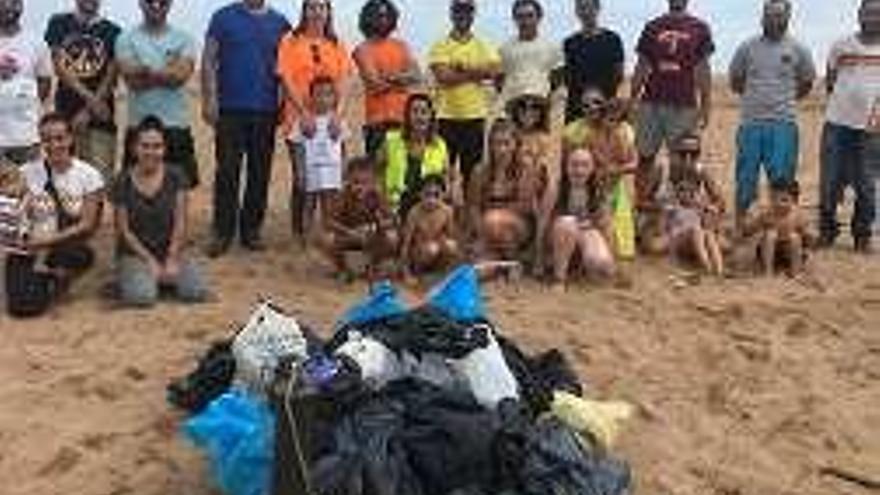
point(540, 376)
point(368, 457)
point(558, 462)
point(411, 438)
point(211, 379)
point(422, 331)
point(448, 437)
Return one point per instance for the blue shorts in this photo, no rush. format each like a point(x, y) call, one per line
point(775, 145)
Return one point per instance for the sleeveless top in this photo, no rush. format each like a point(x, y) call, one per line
point(397, 169)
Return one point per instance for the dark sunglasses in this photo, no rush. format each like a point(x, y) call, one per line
point(529, 14)
point(463, 8)
point(158, 4)
point(595, 104)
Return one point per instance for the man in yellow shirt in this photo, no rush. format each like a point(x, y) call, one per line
point(463, 66)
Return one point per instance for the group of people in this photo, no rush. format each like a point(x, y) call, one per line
point(463, 159)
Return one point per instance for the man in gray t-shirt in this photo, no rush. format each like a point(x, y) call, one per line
point(771, 72)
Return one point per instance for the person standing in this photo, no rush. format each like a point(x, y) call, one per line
point(673, 83)
point(388, 69)
point(83, 50)
point(240, 98)
point(25, 83)
point(463, 65)
point(771, 72)
point(309, 51)
point(156, 60)
point(529, 63)
point(851, 136)
point(594, 58)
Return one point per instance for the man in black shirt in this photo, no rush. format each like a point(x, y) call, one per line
point(82, 44)
point(593, 58)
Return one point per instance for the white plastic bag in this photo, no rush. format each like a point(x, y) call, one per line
point(487, 374)
point(268, 338)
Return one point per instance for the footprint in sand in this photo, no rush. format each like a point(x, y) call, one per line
point(64, 461)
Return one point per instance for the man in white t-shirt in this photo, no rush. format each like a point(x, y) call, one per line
point(25, 83)
point(851, 137)
point(528, 61)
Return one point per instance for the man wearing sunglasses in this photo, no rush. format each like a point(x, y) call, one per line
point(82, 45)
point(463, 65)
point(25, 82)
point(156, 60)
point(771, 72)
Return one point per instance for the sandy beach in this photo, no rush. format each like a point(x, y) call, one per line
point(744, 386)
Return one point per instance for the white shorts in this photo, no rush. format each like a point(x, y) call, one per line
point(323, 177)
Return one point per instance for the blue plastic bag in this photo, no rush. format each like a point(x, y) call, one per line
point(382, 302)
point(459, 295)
point(237, 432)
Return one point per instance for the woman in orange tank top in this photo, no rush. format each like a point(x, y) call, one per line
point(310, 51)
point(388, 69)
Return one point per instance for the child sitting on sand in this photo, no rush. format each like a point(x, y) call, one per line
point(359, 219)
point(684, 165)
point(428, 236)
point(691, 227)
point(783, 230)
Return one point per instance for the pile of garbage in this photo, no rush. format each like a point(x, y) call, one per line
point(426, 401)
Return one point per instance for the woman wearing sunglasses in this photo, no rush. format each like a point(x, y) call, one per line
point(538, 157)
point(310, 50)
point(604, 132)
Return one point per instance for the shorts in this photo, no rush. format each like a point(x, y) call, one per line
point(323, 177)
point(657, 124)
point(773, 145)
point(180, 153)
point(465, 142)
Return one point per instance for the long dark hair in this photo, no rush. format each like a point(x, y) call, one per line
point(369, 15)
point(329, 31)
point(407, 120)
point(517, 106)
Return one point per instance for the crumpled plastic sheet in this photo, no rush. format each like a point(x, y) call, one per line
point(237, 432)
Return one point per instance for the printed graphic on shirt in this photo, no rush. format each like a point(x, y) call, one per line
point(672, 39)
point(83, 55)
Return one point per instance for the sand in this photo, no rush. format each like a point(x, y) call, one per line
point(744, 387)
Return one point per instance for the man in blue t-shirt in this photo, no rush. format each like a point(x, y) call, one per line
point(156, 60)
point(240, 100)
point(83, 51)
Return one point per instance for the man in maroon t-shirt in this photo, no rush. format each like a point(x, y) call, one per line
point(673, 83)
